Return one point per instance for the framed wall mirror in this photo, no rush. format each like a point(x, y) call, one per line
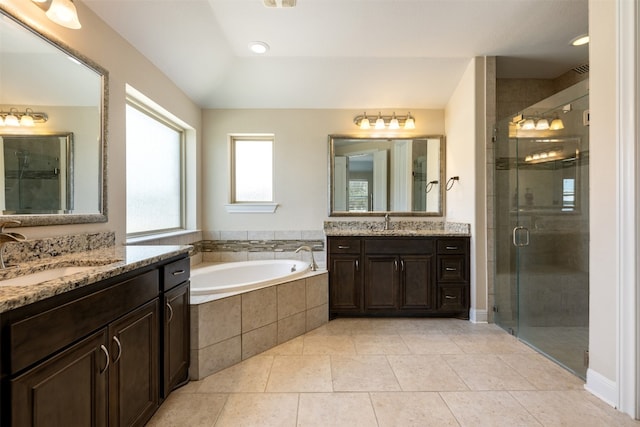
point(66, 96)
point(402, 176)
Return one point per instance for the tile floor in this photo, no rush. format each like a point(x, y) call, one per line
point(391, 372)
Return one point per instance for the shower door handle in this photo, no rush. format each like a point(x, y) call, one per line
point(517, 231)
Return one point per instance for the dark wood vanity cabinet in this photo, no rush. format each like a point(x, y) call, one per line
point(400, 276)
point(176, 321)
point(95, 356)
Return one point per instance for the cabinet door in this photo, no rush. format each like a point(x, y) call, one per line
point(417, 282)
point(69, 389)
point(133, 378)
point(176, 338)
point(344, 277)
point(381, 282)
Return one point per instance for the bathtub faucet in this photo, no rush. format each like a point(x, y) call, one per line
point(314, 266)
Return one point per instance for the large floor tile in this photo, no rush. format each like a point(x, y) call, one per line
point(499, 343)
point(542, 372)
point(289, 348)
point(194, 410)
point(419, 409)
point(362, 373)
point(300, 374)
point(248, 376)
point(330, 345)
point(336, 410)
point(487, 372)
point(380, 344)
point(491, 409)
point(259, 410)
point(568, 408)
point(425, 373)
point(431, 344)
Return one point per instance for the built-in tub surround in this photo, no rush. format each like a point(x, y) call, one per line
point(97, 250)
point(395, 228)
point(228, 330)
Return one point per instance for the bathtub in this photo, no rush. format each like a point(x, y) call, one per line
point(240, 309)
point(223, 280)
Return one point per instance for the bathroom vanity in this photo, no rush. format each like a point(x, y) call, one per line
point(398, 273)
point(101, 347)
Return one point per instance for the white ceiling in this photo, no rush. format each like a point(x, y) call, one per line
point(357, 54)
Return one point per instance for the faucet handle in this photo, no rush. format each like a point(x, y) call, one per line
point(9, 222)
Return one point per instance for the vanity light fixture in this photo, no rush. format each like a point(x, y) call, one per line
point(392, 122)
point(17, 118)
point(62, 12)
point(364, 123)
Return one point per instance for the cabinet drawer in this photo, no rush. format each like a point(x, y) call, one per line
point(452, 246)
point(38, 336)
point(175, 273)
point(344, 246)
point(452, 268)
point(399, 246)
point(452, 298)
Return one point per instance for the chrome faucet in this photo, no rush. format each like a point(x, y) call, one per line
point(314, 266)
point(387, 221)
point(5, 237)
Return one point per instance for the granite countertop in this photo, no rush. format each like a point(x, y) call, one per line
point(396, 228)
point(107, 262)
point(397, 233)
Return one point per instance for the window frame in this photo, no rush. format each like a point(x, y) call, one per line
point(157, 115)
point(240, 206)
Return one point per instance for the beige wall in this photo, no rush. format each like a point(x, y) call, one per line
point(101, 44)
point(300, 158)
point(604, 255)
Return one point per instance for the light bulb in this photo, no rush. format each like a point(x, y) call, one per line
point(543, 124)
point(11, 120)
point(63, 12)
point(528, 124)
point(364, 123)
point(380, 122)
point(26, 120)
point(393, 124)
point(556, 124)
point(409, 123)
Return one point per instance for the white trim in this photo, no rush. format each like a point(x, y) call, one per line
point(251, 207)
point(602, 387)
point(478, 316)
point(627, 375)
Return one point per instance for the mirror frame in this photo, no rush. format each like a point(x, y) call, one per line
point(331, 167)
point(103, 74)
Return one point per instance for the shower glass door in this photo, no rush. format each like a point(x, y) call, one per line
point(542, 230)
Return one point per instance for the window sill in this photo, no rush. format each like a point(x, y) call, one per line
point(251, 207)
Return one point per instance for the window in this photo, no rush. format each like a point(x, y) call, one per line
point(358, 195)
point(251, 173)
point(155, 172)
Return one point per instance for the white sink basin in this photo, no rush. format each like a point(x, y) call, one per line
point(43, 276)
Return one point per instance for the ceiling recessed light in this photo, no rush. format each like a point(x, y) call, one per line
point(259, 47)
point(580, 40)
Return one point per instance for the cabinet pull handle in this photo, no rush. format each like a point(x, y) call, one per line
point(115, 338)
point(357, 265)
point(344, 247)
point(451, 248)
point(450, 297)
point(106, 353)
point(170, 312)
point(402, 264)
point(451, 269)
point(178, 272)
point(395, 264)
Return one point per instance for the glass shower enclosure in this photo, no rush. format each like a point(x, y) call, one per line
point(542, 227)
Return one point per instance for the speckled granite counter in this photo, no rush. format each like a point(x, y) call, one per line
point(396, 228)
point(108, 261)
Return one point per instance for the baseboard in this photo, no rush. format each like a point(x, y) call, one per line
point(602, 387)
point(478, 316)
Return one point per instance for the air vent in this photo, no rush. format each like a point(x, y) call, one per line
point(279, 3)
point(580, 69)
